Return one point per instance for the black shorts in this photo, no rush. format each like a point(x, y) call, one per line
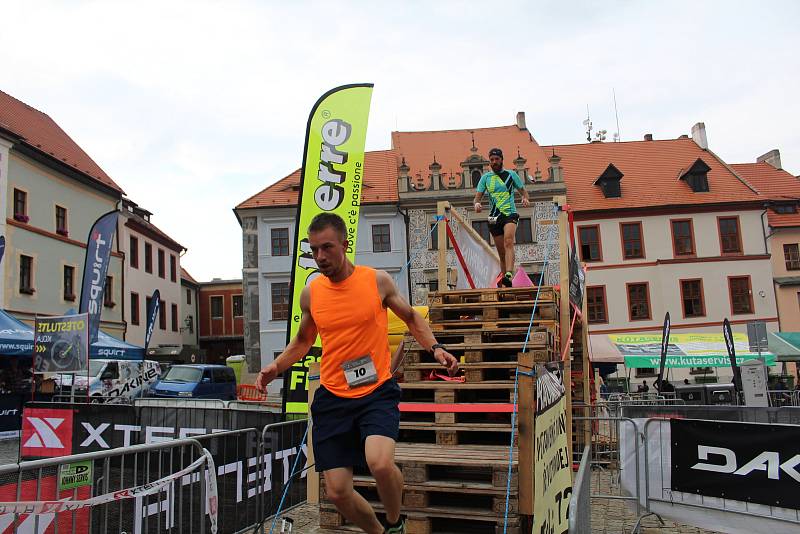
point(341, 425)
point(498, 227)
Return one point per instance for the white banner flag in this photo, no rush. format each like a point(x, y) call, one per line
point(478, 257)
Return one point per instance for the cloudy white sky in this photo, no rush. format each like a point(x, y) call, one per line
point(194, 106)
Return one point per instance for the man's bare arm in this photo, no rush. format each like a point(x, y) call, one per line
point(297, 347)
point(417, 325)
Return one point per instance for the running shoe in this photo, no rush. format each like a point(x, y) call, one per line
point(398, 528)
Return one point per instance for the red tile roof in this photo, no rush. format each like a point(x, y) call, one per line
point(153, 232)
point(652, 171)
point(775, 184)
point(451, 147)
point(41, 133)
point(380, 184)
point(186, 276)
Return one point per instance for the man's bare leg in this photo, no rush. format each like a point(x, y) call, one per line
point(380, 459)
point(499, 243)
point(339, 489)
point(509, 231)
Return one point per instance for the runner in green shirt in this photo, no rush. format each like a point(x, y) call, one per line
point(503, 217)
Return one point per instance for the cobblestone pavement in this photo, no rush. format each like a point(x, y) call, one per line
point(608, 517)
point(9, 449)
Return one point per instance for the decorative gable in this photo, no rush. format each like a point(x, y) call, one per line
point(697, 176)
point(609, 182)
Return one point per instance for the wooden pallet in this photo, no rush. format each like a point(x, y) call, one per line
point(497, 433)
point(457, 392)
point(465, 296)
point(467, 324)
point(477, 335)
point(482, 311)
point(478, 366)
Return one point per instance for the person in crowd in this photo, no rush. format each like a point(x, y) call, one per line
point(643, 388)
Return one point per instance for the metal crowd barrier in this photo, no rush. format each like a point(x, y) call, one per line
point(657, 492)
point(112, 472)
point(252, 467)
point(580, 504)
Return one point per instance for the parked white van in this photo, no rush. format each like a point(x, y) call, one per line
point(111, 379)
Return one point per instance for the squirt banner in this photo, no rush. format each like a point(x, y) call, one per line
point(331, 181)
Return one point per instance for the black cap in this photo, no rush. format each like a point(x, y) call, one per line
point(495, 152)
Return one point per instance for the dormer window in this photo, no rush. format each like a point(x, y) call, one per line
point(609, 182)
point(786, 207)
point(697, 176)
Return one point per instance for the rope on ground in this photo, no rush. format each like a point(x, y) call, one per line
point(291, 477)
point(516, 382)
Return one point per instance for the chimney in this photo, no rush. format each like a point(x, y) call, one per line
point(773, 157)
point(699, 135)
point(555, 168)
point(648, 137)
point(521, 120)
point(683, 136)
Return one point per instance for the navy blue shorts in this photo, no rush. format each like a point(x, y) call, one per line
point(341, 425)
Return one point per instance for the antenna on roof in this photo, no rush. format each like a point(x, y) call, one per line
point(588, 123)
point(616, 115)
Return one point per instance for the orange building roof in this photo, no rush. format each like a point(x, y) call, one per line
point(41, 133)
point(651, 175)
point(188, 277)
point(775, 184)
point(380, 184)
point(451, 147)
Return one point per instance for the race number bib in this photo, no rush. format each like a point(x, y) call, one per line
point(360, 371)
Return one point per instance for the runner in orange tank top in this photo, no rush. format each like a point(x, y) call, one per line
point(355, 410)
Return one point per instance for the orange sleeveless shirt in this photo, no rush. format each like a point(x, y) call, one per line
point(352, 322)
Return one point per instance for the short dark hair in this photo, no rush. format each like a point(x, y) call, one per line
point(325, 220)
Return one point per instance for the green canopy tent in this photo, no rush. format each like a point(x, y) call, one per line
point(785, 346)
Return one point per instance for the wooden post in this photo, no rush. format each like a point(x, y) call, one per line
point(526, 407)
point(312, 477)
point(564, 308)
point(442, 209)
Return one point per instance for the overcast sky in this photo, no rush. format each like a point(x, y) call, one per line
point(194, 106)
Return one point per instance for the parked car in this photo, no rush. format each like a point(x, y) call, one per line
point(197, 382)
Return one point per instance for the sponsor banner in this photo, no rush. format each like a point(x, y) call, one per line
point(333, 173)
point(719, 514)
point(75, 475)
point(553, 467)
point(245, 472)
point(747, 462)
point(46, 432)
point(664, 348)
point(61, 344)
point(152, 314)
point(684, 350)
point(45, 523)
point(2, 247)
point(95, 268)
point(577, 279)
point(476, 260)
point(10, 414)
point(676, 362)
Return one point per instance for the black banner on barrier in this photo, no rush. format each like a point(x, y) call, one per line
point(747, 462)
point(243, 479)
point(10, 414)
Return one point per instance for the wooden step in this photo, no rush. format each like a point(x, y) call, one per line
point(463, 296)
point(494, 391)
point(539, 337)
point(502, 310)
point(460, 324)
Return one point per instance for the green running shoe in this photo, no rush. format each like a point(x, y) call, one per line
point(398, 528)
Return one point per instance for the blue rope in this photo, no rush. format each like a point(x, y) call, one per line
point(291, 477)
point(516, 383)
point(420, 249)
